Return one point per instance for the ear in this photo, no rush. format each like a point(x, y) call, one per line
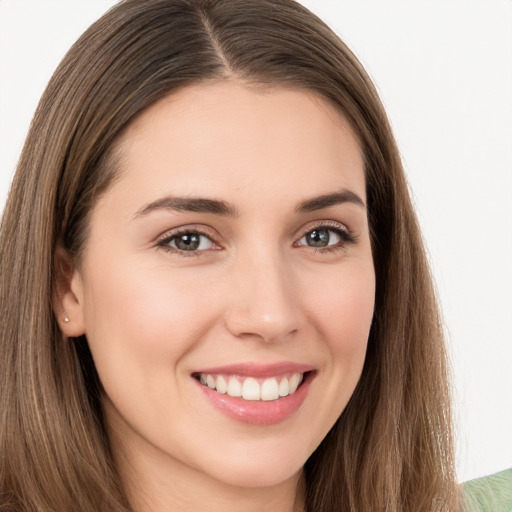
point(68, 303)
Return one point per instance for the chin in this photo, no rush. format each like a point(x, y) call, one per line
point(254, 478)
point(268, 468)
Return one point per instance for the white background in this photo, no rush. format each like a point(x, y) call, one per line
point(444, 70)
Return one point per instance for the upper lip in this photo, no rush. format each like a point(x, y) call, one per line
point(257, 369)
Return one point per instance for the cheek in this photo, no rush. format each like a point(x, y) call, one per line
point(145, 315)
point(341, 311)
point(343, 308)
point(142, 327)
point(344, 313)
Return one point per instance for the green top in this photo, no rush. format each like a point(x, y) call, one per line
point(489, 494)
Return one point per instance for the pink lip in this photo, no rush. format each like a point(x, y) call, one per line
point(259, 412)
point(258, 370)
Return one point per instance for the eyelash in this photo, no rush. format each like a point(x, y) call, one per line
point(164, 242)
point(346, 238)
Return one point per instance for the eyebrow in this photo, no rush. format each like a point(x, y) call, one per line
point(327, 200)
point(190, 204)
point(225, 209)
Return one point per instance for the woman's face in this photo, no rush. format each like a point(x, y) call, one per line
point(232, 256)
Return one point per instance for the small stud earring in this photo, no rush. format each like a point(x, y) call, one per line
point(66, 320)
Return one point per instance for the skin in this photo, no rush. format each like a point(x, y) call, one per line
point(255, 291)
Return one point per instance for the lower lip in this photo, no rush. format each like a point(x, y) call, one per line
point(259, 412)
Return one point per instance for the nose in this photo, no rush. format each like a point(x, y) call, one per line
point(263, 299)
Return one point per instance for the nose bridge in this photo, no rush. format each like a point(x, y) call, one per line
point(263, 299)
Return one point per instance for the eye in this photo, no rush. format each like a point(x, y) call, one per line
point(320, 238)
point(326, 237)
point(187, 241)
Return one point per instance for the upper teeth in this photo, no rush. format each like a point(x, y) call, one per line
point(252, 388)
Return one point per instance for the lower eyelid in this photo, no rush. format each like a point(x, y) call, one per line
point(340, 230)
point(165, 241)
point(201, 242)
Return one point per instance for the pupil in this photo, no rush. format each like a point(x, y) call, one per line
point(318, 238)
point(188, 242)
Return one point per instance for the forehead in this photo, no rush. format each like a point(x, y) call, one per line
point(229, 138)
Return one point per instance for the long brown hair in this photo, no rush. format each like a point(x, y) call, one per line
point(391, 449)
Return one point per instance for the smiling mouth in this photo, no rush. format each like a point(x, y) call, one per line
point(253, 388)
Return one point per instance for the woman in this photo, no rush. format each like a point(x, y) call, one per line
point(213, 286)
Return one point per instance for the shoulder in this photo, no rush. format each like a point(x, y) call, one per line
point(489, 494)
